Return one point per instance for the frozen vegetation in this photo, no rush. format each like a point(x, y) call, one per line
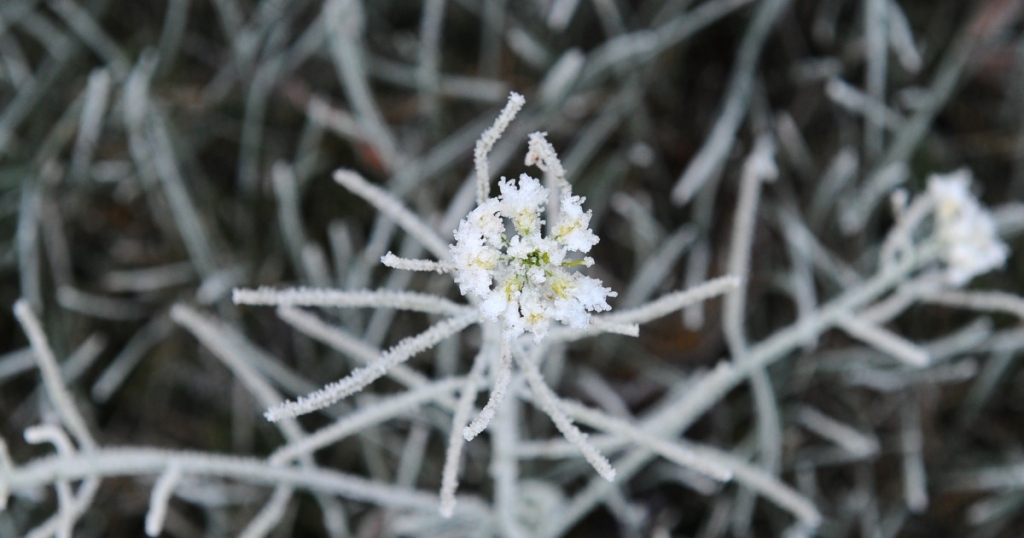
point(520, 269)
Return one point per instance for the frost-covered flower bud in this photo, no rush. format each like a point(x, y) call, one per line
point(970, 243)
point(573, 228)
point(522, 204)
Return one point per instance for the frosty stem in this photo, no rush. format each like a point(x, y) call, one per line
point(712, 388)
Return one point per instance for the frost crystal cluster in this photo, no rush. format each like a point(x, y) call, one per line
point(525, 280)
point(971, 244)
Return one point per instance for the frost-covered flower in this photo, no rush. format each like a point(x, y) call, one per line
point(523, 278)
point(970, 243)
point(518, 277)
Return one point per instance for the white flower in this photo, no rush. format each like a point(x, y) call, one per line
point(524, 280)
point(575, 295)
point(522, 205)
point(485, 219)
point(475, 257)
point(971, 245)
point(591, 295)
point(573, 228)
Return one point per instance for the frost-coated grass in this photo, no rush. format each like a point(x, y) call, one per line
point(715, 268)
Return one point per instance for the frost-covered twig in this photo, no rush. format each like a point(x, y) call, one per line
point(886, 341)
point(163, 489)
point(487, 141)
point(759, 167)
point(149, 279)
point(430, 56)
point(541, 153)
point(502, 375)
point(27, 238)
point(389, 206)
point(901, 38)
point(228, 347)
point(549, 403)
point(856, 215)
point(653, 271)
point(92, 304)
point(289, 213)
point(346, 49)
point(225, 345)
point(365, 417)
point(854, 100)
point(407, 264)
point(55, 389)
point(714, 386)
point(680, 453)
point(562, 76)
point(95, 107)
point(795, 146)
point(129, 357)
point(361, 377)
point(915, 487)
point(901, 236)
point(981, 301)
point(81, 22)
point(271, 514)
point(892, 381)
point(715, 463)
point(135, 195)
point(672, 302)
point(844, 435)
point(876, 37)
point(456, 439)
point(6, 466)
point(508, 493)
point(54, 435)
point(190, 224)
point(142, 461)
point(766, 485)
point(402, 300)
point(981, 390)
point(708, 161)
point(314, 327)
point(641, 46)
point(841, 170)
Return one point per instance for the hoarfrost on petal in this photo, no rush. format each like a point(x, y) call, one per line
point(573, 228)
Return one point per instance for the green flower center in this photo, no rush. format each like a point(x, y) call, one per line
point(537, 259)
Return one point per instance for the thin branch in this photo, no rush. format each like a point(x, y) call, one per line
point(394, 209)
point(549, 403)
point(361, 377)
point(326, 297)
point(486, 142)
point(159, 498)
point(50, 371)
point(502, 377)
